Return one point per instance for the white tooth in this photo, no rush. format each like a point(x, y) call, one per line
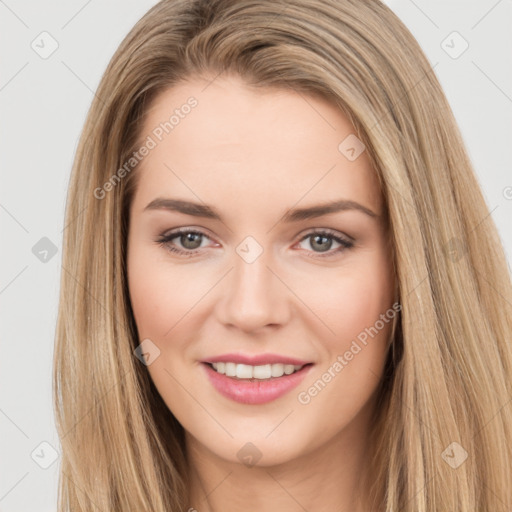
point(262, 372)
point(230, 369)
point(244, 371)
point(288, 369)
point(277, 370)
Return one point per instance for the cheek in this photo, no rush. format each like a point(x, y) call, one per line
point(353, 304)
point(354, 356)
point(361, 302)
point(150, 299)
point(160, 295)
point(351, 299)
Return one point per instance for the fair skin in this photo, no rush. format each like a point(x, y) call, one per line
point(253, 155)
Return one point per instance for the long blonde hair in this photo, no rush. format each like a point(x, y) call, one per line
point(445, 394)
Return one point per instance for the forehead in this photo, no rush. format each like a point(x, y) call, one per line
point(238, 144)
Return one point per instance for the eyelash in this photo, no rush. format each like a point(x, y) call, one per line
point(165, 239)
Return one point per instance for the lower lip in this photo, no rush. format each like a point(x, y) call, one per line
point(255, 392)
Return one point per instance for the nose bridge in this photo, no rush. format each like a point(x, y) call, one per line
point(254, 297)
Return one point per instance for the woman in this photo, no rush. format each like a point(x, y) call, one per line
point(281, 286)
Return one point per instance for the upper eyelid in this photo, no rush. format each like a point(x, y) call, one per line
point(173, 233)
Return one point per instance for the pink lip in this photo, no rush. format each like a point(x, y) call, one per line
point(254, 391)
point(255, 360)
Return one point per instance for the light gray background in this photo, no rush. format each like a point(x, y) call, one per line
point(43, 105)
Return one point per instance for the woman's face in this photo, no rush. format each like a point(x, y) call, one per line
point(263, 279)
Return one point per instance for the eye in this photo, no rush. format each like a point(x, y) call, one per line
point(189, 239)
point(323, 241)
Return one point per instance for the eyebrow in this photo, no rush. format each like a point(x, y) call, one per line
point(295, 215)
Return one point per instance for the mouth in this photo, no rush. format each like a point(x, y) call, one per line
point(254, 385)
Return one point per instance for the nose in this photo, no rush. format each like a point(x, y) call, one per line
point(253, 296)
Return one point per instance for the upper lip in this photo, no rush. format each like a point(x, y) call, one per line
point(255, 360)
